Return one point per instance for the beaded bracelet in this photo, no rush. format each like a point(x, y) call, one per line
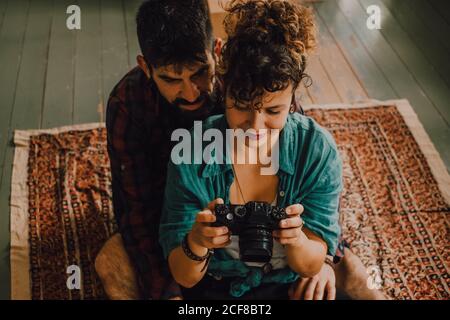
point(191, 255)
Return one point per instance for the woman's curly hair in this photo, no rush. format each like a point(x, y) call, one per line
point(266, 48)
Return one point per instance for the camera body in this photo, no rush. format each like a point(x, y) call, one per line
point(253, 223)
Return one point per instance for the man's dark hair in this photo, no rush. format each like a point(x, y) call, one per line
point(174, 32)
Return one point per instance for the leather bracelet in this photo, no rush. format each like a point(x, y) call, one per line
point(329, 260)
point(191, 255)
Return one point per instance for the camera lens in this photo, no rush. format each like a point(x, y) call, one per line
point(256, 244)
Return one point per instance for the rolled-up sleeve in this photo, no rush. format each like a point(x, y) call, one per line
point(181, 206)
point(321, 203)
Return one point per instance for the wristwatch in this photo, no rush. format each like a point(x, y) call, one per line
point(191, 255)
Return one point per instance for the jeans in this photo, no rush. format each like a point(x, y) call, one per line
point(211, 289)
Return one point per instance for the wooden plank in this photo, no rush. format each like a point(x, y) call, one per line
point(443, 8)
point(31, 81)
point(11, 38)
point(3, 6)
point(114, 46)
point(432, 84)
point(373, 80)
point(216, 5)
point(340, 72)
point(430, 46)
point(217, 24)
point(302, 95)
point(439, 27)
point(322, 89)
point(87, 90)
point(399, 76)
point(58, 99)
point(131, 7)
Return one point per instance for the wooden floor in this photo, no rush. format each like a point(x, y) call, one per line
point(51, 76)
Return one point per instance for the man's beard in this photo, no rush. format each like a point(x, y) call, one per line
point(205, 97)
point(181, 118)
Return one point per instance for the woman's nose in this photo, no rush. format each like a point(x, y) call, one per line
point(257, 120)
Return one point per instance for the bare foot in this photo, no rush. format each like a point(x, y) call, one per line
point(114, 268)
point(351, 278)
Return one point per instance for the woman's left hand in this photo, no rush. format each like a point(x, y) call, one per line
point(290, 232)
point(320, 287)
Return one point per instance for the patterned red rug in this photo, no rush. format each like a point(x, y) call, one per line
point(395, 206)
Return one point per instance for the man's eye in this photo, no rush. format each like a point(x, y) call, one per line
point(169, 80)
point(203, 71)
point(200, 74)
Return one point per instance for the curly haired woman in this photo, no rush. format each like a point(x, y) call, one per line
point(261, 66)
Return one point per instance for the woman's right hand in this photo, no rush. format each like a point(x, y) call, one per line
point(203, 235)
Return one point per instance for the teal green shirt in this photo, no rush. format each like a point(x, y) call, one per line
point(310, 173)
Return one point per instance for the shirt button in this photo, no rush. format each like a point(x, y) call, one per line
point(281, 193)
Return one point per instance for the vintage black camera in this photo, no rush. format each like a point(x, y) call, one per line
point(253, 223)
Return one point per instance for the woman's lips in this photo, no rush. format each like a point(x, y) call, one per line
point(255, 136)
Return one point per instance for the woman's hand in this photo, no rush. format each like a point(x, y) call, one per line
point(203, 235)
point(290, 232)
point(321, 286)
point(188, 272)
point(305, 251)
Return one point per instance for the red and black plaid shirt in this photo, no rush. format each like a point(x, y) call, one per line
point(139, 124)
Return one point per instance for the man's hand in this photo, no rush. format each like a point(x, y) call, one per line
point(290, 232)
point(320, 287)
point(203, 235)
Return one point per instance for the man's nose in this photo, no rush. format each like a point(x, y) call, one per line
point(190, 91)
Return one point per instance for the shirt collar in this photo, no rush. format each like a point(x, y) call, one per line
point(286, 147)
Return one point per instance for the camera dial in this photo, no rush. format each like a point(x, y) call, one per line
point(240, 211)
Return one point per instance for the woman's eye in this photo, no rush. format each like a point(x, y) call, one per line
point(273, 112)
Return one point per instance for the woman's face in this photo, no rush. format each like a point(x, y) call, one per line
point(272, 115)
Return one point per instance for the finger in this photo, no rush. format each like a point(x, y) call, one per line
point(294, 209)
point(291, 290)
point(213, 231)
point(212, 204)
point(291, 222)
point(287, 233)
point(319, 291)
point(331, 291)
point(285, 241)
point(309, 292)
point(218, 242)
point(300, 290)
point(205, 216)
